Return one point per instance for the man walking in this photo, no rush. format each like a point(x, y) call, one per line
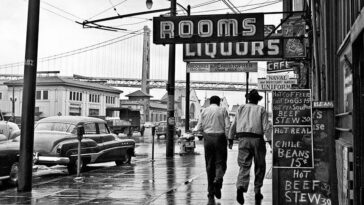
point(214, 123)
point(249, 126)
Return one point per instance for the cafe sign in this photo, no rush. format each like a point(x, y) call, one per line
point(208, 28)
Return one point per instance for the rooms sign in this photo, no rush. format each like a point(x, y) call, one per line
point(208, 28)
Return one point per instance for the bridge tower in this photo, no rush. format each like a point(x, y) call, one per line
point(146, 70)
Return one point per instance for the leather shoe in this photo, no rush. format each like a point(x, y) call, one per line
point(217, 190)
point(240, 196)
point(258, 196)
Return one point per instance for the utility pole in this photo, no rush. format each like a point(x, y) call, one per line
point(171, 122)
point(27, 120)
point(187, 115)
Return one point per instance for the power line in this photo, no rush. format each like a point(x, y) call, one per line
point(69, 19)
point(103, 11)
point(267, 3)
point(44, 2)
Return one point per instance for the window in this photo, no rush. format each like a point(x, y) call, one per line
point(38, 95)
point(75, 96)
point(94, 112)
point(1, 96)
point(94, 98)
point(45, 95)
point(110, 100)
point(90, 128)
point(103, 129)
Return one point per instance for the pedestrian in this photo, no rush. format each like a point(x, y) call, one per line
point(214, 124)
point(249, 126)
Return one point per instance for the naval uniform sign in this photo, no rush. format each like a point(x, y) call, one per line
point(222, 67)
point(208, 28)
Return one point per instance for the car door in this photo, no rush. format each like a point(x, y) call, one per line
point(110, 146)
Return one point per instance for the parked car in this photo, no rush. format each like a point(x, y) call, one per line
point(161, 129)
point(55, 142)
point(9, 152)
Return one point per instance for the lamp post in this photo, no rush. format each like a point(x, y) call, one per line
point(171, 122)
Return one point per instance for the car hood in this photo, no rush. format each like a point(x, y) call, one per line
point(44, 141)
point(8, 145)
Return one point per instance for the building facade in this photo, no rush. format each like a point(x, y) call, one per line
point(62, 96)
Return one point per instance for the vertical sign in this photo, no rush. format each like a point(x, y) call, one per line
point(292, 136)
point(292, 147)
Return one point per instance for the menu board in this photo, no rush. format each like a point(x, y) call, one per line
point(305, 185)
point(292, 134)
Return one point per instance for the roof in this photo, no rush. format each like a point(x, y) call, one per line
point(138, 93)
point(63, 81)
point(70, 119)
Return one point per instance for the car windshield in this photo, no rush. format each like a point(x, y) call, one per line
point(54, 126)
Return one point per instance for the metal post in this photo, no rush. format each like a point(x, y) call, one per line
point(187, 115)
point(79, 158)
point(152, 147)
point(170, 90)
point(13, 104)
point(187, 118)
point(247, 86)
point(27, 120)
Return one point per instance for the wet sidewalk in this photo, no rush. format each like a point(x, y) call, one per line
point(180, 180)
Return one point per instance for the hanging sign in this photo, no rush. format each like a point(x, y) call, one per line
point(276, 82)
point(222, 67)
point(208, 28)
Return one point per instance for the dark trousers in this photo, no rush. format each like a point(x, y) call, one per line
point(251, 146)
point(215, 158)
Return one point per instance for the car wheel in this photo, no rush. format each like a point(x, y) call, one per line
point(72, 167)
point(13, 180)
point(126, 160)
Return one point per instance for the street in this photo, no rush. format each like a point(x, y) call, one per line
point(179, 180)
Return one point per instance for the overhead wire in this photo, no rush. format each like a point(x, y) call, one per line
point(267, 3)
point(64, 11)
point(103, 11)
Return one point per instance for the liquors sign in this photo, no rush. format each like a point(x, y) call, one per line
point(208, 28)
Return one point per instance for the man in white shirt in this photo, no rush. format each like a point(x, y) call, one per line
point(249, 126)
point(214, 123)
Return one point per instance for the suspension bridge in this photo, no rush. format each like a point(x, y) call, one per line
point(118, 62)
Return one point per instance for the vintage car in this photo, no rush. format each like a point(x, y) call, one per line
point(56, 142)
point(161, 129)
point(9, 152)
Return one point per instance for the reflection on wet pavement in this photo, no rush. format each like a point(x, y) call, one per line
point(178, 180)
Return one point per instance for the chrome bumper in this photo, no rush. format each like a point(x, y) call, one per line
point(51, 160)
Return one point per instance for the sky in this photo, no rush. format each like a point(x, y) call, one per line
point(58, 33)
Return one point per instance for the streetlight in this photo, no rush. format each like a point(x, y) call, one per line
point(149, 4)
